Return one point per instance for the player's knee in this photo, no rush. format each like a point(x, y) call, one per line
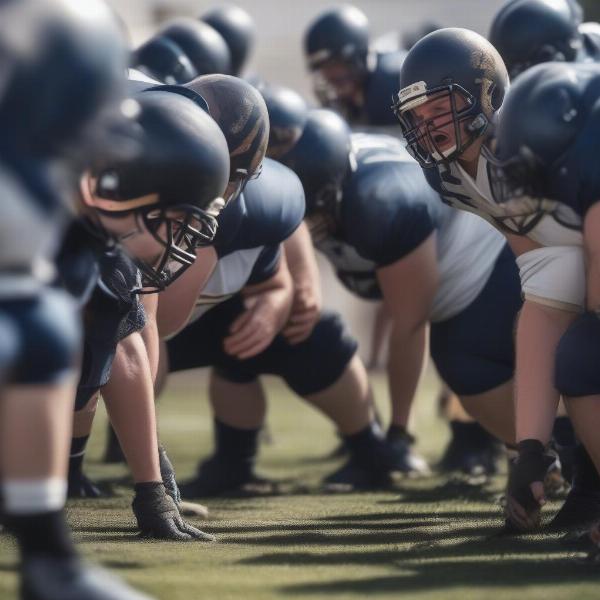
point(578, 357)
point(51, 338)
point(322, 358)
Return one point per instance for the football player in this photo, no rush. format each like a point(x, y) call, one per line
point(63, 65)
point(204, 46)
point(348, 75)
point(547, 143)
point(161, 206)
point(529, 32)
point(163, 60)
point(373, 215)
point(453, 84)
point(233, 317)
point(237, 29)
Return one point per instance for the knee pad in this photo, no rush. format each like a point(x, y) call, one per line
point(577, 361)
point(49, 327)
point(320, 360)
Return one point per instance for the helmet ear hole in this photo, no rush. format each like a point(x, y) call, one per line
point(496, 96)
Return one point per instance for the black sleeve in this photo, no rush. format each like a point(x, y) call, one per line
point(389, 214)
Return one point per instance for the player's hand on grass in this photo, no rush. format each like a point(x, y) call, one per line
point(306, 311)
point(525, 495)
point(158, 516)
point(254, 330)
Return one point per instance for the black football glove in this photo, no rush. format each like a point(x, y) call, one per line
point(158, 516)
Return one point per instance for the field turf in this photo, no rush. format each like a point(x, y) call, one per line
point(429, 539)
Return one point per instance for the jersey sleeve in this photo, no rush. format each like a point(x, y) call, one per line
point(389, 214)
point(267, 213)
point(266, 265)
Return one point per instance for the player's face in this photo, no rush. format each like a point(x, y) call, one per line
point(338, 81)
point(436, 112)
point(131, 232)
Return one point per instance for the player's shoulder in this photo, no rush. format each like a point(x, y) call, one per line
point(388, 207)
point(386, 176)
point(269, 210)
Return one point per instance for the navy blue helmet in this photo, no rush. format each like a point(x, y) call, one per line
point(461, 76)
point(529, 32)
point(322, 158)
point(548, 140)
point(205, 47)
point(163, 60)
point(241, 113)
point(287, 116)
point(340, 33)
point(238, 30)
point(174, 184)
point(61, 63)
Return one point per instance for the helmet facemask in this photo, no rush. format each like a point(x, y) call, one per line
point(180, 230)
point(340, 74)
point(445, 135)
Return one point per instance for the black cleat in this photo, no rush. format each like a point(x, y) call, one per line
point(472, 451)
point(80, 486)
point(580, 510)
point(218, 477)
point(46, 578)
point(404, 458)
point(354, 476)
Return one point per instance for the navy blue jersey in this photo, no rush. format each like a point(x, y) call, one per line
point(383, 82)
point(251, 230)
point(103, 280)
point(387, 211)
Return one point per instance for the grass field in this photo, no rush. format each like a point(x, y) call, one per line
point(429, 539)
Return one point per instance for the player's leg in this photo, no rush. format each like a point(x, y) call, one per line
point(325, 370)
point(86, 403)
point(36, 410)
point(577, 378)
point(474, 353)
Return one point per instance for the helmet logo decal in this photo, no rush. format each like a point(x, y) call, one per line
point(413, 95)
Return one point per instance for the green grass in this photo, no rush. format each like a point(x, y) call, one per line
point(427, 540)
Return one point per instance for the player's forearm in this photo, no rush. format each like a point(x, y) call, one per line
point(405, 364)
point(301, 259)
point(276, 293)
point(150, 334)
point(129, 399)
point(539, 330)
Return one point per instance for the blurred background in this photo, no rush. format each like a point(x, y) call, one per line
point(278, 58)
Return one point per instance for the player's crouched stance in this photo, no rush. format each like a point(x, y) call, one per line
point(239, 312)
point(161, 207)
point(384, 229)
point(61, 70)
point(552, 159)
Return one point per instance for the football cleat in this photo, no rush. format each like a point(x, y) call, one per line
point(217, 477)
point(49, 578)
